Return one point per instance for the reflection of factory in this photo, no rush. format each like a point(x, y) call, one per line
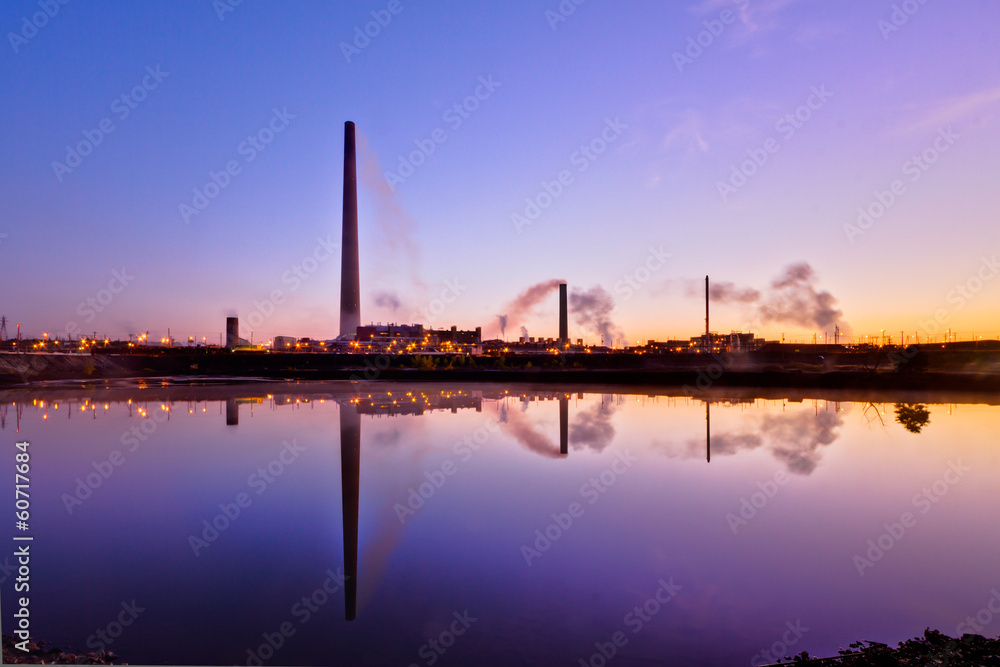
point(416, 403)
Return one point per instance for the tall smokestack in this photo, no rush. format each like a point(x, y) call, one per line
point(707, 337)
point(232, 332)
point(350, 278)
point(563, 319)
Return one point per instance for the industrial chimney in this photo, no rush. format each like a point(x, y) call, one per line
point(350, 278)
point(563, 323)
point(232, 332)
point(708, 336)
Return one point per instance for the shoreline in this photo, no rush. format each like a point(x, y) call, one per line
point(694, 374)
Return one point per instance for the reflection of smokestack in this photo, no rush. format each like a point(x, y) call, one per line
point(232, 412)
point(708, 431)
point(564, 424)
point(232, 332)
point(350, 278)
point(350, 482)
point(563, 319)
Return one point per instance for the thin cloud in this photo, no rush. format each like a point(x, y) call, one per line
point(981, 103)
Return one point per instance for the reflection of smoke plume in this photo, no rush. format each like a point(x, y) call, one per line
point(387, 300)
point(724, 444)
point(521, 429)
point(797, 437)
point(792, 298)
point(374, 558)
point(388, 438)
point(592, 310)
point(793, 438)
point(722, 292)
point(593, 428)
point(518, 309)
point(396, 224)
point(524, 333)
point(503, 324)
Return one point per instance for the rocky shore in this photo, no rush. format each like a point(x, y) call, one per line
point(45, 653)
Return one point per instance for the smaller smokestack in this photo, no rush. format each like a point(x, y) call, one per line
point(563, 318)
point(232, 332)
point(707, 336)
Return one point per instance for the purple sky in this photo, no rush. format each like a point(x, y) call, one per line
point(628, 149)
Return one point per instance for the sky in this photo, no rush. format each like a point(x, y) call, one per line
point(168, 164)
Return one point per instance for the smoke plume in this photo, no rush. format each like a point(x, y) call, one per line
point(396, 224)
point(722, 292)
point(387, 300)
point(524, 332)
point(520, 308)
point(791, 298)
point(592, 310)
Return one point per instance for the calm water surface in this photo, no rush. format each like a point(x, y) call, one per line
point(469, 524)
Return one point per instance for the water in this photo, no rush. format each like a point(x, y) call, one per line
point(474, 531)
